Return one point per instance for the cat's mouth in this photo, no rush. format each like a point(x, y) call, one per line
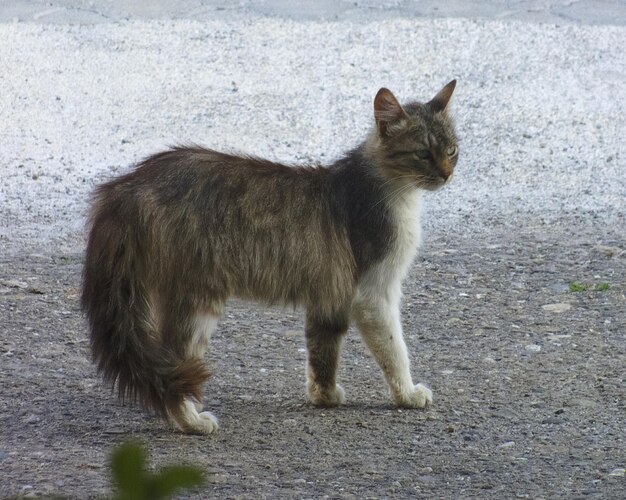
point(435, 183)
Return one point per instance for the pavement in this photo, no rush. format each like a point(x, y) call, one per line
point(586, 12)
point(87, 89)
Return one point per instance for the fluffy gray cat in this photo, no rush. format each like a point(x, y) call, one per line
point(171, 241)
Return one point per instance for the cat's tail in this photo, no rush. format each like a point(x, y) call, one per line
point(125, 345)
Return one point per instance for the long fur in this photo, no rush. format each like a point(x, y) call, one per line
point(171, 241)
point(125, 342)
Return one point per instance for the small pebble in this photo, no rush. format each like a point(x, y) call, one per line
point(556, 308)
point(31, 419)
point(617, 472)
point(217, 478)
point(427, 479)
point(609, 251)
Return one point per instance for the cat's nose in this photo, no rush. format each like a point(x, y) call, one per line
point(445, 169)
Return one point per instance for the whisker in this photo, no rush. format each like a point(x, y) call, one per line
point(392, 196)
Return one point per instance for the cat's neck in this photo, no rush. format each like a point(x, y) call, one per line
point(359, 177)
point(372, 147)
point(382, 216)
point(364, 165)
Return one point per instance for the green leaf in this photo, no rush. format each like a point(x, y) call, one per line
point(127, 465)
point(169, 479)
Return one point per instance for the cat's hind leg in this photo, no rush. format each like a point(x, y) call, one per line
point(189, 420)
point(188, 416)
point(324, 337)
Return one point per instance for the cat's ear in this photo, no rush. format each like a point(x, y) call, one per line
point(388, 112)
point(441, 100)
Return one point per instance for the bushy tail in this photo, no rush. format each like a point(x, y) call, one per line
point(124, 346)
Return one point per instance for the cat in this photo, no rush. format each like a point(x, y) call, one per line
point(190, 227)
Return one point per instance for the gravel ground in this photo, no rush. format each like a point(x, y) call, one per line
point(529, 402)
point(528, 376)
point(541, 109)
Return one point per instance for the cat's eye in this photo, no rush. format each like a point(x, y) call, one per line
point(452, 151)
point(422, 154)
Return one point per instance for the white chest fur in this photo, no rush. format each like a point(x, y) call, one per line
point(387, 275)
point(407, 213)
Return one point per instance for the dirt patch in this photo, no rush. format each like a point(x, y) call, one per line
point(528, 379)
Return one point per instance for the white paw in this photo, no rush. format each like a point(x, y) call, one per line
point(207, 423)
point(192, 422)
point(420, 397)
point(328, 397)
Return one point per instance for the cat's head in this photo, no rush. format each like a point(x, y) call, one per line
point(415, 143)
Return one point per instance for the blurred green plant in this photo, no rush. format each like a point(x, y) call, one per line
point(577, 287)
point(133, 482)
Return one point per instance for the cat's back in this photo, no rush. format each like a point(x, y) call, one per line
point(197, 176)
point(201, 193)
point(203, 162)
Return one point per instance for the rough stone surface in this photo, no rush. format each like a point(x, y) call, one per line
point(591, 12)
point(505, 421)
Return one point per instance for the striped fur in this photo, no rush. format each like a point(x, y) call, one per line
point(171, 241)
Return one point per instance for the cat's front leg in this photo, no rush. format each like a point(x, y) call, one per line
point(378, 320)
point(324, 337)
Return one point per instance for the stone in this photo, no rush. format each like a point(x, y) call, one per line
point(557, 308)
